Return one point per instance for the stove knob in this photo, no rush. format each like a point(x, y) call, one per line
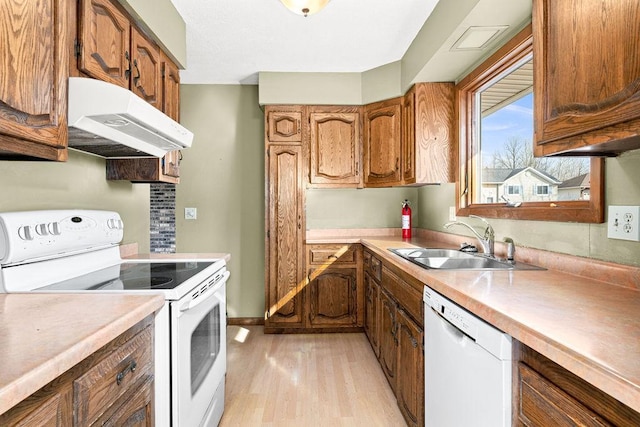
point(41, 229)
point(24, 233)
point(54, 228)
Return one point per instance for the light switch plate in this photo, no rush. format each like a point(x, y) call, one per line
point(623, 223)
point(190, 213)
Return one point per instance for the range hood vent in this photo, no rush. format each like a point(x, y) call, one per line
point(110, 121)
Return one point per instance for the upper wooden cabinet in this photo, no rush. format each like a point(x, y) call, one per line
point(428, 134)
point(382, 145)
point(166, 169)
point(586, 76)
point(170, 87)
point(104, 36)
point(113, 50)
point(33, 80)
point(335, 154)
point(284, 126)
point(146, 69)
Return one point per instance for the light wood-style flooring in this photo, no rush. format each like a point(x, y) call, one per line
point(305, 380)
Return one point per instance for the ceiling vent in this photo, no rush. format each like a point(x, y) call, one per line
point(477, 38)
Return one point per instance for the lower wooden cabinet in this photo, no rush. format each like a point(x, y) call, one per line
point(410, 375)
point(332, 297)
point(334, 293)
point(112, 387)
point(388, 338)
point(393, 323)
point(546, 394)
point(372, 311)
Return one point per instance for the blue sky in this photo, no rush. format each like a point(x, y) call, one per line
point(515, 119)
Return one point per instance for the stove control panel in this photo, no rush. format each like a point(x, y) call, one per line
point(38, 235)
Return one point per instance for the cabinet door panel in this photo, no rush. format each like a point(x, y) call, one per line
point(33, 75)
point(285, 251)
point(409, 138)
point(594, 43)
point(146, 76)
point(332, 297)
point(171, 164)
point(410, 390)
point(372, 312)
point(388, 339)
point(335, 148)
point(170, 88)
point(104, 40)
point(284, 126)
point(382, 143)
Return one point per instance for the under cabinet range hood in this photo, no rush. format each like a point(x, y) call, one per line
point(110, 121)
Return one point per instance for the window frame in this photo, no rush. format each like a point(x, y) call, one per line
point(586, 211)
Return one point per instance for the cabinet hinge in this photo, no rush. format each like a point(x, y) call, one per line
point(77, 48)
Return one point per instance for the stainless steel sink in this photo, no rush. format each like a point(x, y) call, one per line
point(414, 253)
point(449, 259)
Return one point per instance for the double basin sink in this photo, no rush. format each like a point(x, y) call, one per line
point(450, 259)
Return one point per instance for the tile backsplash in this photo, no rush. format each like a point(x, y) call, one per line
point(162, 232)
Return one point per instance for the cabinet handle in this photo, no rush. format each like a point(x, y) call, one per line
point(127, 72)
point(298, 126)
point(136, 79)
point(299, 222)
point(332, 257)
point(414, 342)
point(397, 163)
point(357, 169)
point(130, 367)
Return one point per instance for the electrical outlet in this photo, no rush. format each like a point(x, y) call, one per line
point(190, 213)
point(452, 213)
point(624, 223)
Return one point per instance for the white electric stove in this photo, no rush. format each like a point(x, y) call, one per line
point(77, 251)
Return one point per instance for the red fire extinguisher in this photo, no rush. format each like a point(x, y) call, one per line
point(406, 220)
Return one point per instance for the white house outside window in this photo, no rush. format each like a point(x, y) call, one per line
point(513, 189)
point(542, 190)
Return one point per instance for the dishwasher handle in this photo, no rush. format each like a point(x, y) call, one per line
point(452, 329)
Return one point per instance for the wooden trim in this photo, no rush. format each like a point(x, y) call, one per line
point(245, 321)
point(588, 211)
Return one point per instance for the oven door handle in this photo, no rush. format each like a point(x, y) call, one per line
point(206, 294)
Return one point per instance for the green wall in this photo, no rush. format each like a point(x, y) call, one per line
point(222, 175)
point(79, 183)
point(363, 208)
point(161, 19)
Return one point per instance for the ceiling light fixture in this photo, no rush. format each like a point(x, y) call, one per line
point(305, 7)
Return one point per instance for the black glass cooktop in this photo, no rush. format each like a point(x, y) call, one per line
point(134, 276)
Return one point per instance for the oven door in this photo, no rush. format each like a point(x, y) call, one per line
point(198, 356)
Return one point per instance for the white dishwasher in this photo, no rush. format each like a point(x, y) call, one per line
point(467, 367)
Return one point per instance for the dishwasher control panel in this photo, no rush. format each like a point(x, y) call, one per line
point(457, 316)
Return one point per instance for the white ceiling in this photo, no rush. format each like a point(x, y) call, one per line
point(230, 41)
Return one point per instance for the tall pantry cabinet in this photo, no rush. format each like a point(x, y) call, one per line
point(284, 219)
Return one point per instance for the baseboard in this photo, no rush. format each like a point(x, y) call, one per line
point(245, 321)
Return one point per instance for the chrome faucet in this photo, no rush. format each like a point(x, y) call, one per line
point(486, 241)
